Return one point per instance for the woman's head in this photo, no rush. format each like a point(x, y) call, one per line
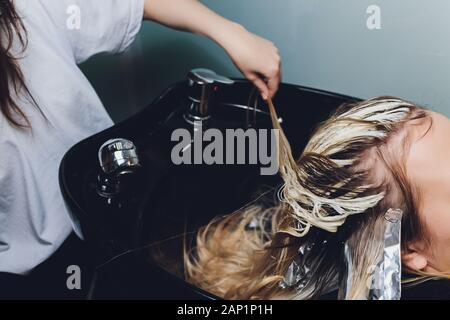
point(354, 168)
point(366, 158)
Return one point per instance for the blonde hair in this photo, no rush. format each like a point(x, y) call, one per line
point(331, 194)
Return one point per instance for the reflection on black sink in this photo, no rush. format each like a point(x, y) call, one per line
point(167, 201)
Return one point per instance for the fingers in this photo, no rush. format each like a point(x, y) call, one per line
point(264, 68)
point(262, 87)
point(273, 75)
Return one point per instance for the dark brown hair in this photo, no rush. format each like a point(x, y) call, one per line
point(12, 82)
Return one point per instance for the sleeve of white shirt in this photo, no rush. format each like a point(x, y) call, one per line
point(96, 26)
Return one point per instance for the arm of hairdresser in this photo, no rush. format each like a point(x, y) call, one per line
point(257, 58)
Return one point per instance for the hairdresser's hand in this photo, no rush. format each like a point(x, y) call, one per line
point(257, 58)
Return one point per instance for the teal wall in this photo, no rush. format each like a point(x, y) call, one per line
point(323, 43)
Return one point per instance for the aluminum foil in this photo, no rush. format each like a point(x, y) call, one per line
point(346, 274)
point(299, 272)
point(385, 278)
point(299, 276)
point(390, 271)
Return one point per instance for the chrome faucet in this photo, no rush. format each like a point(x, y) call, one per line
point(202, 83)
point(118, 159)
point(118, 154)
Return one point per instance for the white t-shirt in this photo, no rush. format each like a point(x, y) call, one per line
point(33, 219)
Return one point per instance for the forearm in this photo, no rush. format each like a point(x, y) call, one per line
point(256, 57)
point(191, 16)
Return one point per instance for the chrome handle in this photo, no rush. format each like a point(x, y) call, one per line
point(117, 154)
point(205, 76)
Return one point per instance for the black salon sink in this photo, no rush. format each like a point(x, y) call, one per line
point(138, 236)
point(166, 203)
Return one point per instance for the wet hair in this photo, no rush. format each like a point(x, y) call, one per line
point(350, 173)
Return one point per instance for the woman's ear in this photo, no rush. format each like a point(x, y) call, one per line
point(414, 258)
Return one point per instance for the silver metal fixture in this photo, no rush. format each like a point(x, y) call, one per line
point(202, 83)
point(119, 161)
point(118, 155)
